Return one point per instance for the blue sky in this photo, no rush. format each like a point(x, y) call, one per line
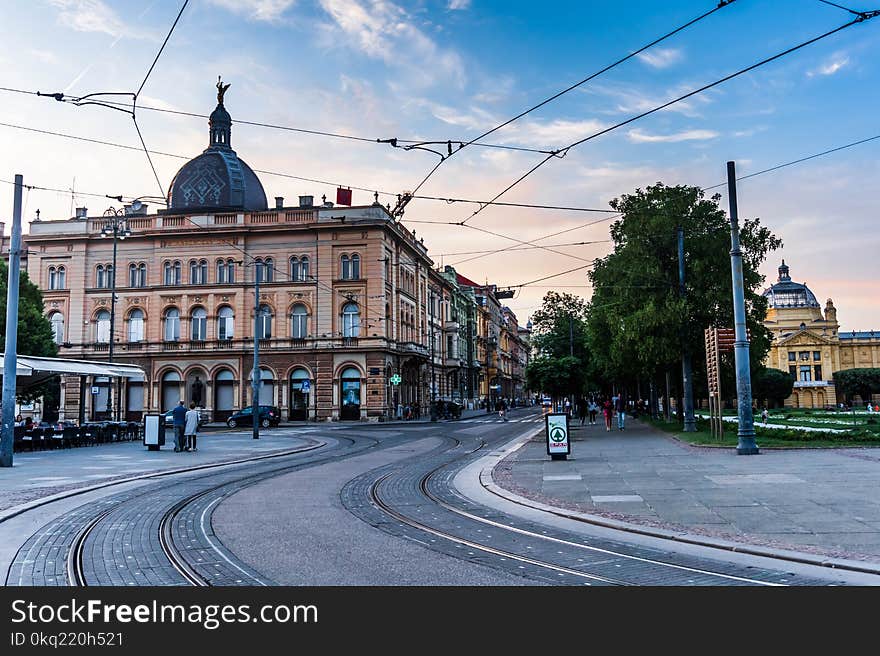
point(450, 69)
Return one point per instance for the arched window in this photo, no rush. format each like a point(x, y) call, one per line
point(56, 319)
point(264, 322)
point(230, 270)
point(166, 273)
point(134, 279)
point(225, 323)
point(355, 267)
point(136, 326)
point(172, 273)
point(304, 268)
point(172, 325)
point(198, 272)
point(62, 278)
point(269, 267)
point(53, 277)
point(221, 271)
point(199, 324)
point(299, 320)
point(142, 275)
point(102, 327)
point(258, 269)
point(100, 277)
point(294, 269)
point(351, 323)
point(203, 272)
point(346, 267)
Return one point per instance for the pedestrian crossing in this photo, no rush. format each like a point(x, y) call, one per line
point(496, 420)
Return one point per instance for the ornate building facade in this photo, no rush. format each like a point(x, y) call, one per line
point(808, 343)
point(348, 297)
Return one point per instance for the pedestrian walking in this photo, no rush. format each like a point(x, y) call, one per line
point(178, 416)
point(568, 406)
point(582, 409)
point(607, 411)
point(764, 415)
point(593, 409)
point(191, 427)
point(502, 410)
point(621, 411)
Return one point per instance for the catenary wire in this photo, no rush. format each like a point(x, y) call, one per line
point(859, 19)
point(720, 5)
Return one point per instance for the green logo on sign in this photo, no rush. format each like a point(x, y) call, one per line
point(395, 379)
point(557, 434)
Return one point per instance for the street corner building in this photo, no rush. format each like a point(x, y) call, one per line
point(808, 343)
point(353, 320)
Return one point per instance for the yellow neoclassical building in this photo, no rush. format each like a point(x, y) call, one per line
point(807, 342)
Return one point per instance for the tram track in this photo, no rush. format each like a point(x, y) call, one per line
point(85, 529)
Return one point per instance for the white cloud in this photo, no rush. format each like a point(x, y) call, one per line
point(90, 16)
point(269, 11)
point(459, 4)
point(639, 136)
point(634, 101)
point(383, 30)
point(661, 57)
point(830, 67)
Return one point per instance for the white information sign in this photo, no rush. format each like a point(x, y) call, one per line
point(154, 430)
point(557, 434)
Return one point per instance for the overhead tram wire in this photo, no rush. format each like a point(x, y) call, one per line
point(721, 4)
point(861, 18)
point(298, 177)
point(61, 97)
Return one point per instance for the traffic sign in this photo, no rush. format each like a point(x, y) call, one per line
point(395, 379)
point(306, 386)
point(557, 434)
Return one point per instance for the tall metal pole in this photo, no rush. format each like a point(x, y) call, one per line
point(255, 375)
point(690, 423)
point(433, 394)
point(112, 319)
point(746, 426)
point(10, 360)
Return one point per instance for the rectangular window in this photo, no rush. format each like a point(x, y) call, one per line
point(803, 355)
point(806, 373)
point(793, 371)
point(817, 355)
point(817, 369)
point(792, 356)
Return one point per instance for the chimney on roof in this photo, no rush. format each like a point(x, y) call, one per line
point(279, 202)
point(306, 201)
point(82, 212)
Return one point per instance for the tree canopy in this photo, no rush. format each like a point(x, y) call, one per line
point(772, 385)
point(559, 339)
point(637, 319)
point(862, 382)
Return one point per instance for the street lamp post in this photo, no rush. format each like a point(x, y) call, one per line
point(116, 226)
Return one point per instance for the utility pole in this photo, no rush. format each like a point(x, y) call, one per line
point(10, 359)
point(433, 394)
point(255, 375)
point(690, 424)
point(117, 228)
point(746, 426)
point(570, 334)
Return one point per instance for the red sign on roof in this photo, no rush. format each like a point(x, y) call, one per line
point(343, 196)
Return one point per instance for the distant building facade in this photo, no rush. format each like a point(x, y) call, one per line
point(808, 343)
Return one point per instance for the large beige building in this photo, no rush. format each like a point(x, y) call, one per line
point(808, 343)
point(349, 302)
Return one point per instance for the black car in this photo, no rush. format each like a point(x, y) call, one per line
point(269, 416)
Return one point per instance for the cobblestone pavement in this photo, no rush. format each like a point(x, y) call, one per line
point(824, 502)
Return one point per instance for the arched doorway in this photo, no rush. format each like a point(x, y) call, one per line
point(350, 394)
point(170, 390)
point(300, 393)
point(224, 395)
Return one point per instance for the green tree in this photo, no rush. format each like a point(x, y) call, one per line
point(34, 329)
point(862, 382)
point(637, 321)
point(772, 385)
point(560, 341)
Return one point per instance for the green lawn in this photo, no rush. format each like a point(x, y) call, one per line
point(767, 437)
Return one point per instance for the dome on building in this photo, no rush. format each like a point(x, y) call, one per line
point(217, 179)
point(789, 294)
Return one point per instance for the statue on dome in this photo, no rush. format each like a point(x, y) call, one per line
point(221, 90)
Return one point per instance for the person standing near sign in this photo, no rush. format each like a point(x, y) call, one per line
point(191, 427)
point(178, 416)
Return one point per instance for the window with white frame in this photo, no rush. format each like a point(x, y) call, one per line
point(351, 323)
point(56, 320)
point(102, 327)
point(225, 323)
point(264, 322)
point(199, 324)
point(299, 319)
point(57, 275)
point(136, 326)
point(171, 330)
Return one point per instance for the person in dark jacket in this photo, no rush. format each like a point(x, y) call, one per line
point(179, 417)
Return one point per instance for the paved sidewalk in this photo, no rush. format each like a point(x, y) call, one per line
point(40, 474)
point(816, 501)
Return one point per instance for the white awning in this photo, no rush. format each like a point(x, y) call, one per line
point(29, 365)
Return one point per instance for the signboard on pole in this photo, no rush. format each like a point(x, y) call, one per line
point(558, 435)
point(305, 386)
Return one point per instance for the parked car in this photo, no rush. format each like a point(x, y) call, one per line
point(203, 417)
point(269, 416)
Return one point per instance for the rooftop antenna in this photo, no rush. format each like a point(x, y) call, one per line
point(72, 187)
